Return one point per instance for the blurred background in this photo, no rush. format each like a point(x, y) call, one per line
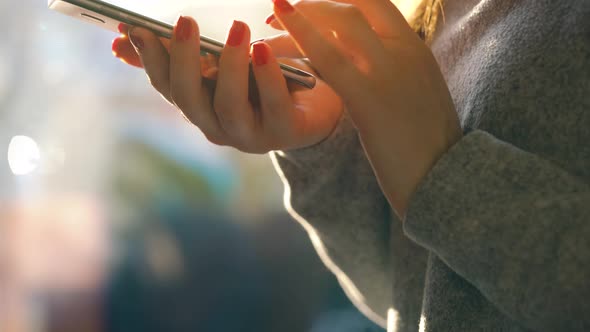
point(117, 215)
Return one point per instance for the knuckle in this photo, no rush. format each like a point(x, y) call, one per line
point(233, 126)
point(236, 122)
point(228, 115)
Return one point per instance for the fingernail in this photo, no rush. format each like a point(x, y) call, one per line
point(136, 41)
point(115, 46)
point(283, 6)
point(236, 34)
point(260, 54)
point(123, 28)
point(184, 29)
point(270, 18)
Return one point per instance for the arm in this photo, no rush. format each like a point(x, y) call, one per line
point(331, 191)
point(514, 225)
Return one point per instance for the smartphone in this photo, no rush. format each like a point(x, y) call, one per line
point(109, 16)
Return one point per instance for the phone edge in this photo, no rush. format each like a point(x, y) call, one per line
point(165, 30)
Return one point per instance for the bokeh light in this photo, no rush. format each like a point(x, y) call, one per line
point(113, 206)
point(23, 155)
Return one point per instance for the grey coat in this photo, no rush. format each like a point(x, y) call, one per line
point(497, 238)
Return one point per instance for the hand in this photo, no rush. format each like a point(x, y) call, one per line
point(388, 79)
point(285, 117)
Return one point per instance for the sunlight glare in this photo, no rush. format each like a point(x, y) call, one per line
point(23, 155)
point(392, 320)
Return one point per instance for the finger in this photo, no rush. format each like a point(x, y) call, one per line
point(282, 122)
point(384, 17)
point(166, 43)
point(278, 116)
point(351, 28)
point(154, 58)
point(328, 59)
point(209, 68)
point(124, 30)
point(185, 66)
point(272, 21)
point(283, 46)
point(124, 50)
point(186, 88)
point(231, 98)
point(212, 65)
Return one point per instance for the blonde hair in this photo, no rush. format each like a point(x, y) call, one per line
point(425, 18)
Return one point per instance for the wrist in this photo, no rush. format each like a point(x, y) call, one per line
point(402, 158)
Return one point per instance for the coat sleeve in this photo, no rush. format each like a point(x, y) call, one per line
point(331, 191)
point(514, 225)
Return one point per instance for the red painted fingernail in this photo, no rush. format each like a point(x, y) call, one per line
point(184, 29)
point(137, 41)
point(270, 19)
point(283, 6)
point(123, 28)
point(115, 46)
point(261, 54)
point(236, 34)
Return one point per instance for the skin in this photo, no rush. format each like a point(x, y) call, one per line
point(372, 64)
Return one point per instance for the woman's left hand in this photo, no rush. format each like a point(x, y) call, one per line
point(389, 80)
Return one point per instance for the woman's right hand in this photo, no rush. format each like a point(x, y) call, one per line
point(286, 117)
